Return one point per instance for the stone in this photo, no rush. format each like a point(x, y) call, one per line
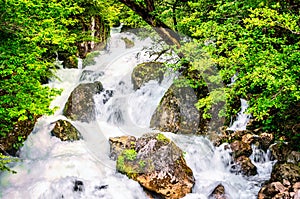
point(177, 113)
point(240, 148)
point(128, 43)
point(218, 193)
point(272, 190)
point(245, 166)
point(80, 105)
point(158, 165)
point(145, 72)
point(266, 139)
point(65, 131)
point(119, 144)
point(285, 171)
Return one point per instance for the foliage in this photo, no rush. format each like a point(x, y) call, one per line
point(4, 160)
point(258, 41)
point(31, 33)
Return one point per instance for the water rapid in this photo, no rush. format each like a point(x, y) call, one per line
point(49, 168)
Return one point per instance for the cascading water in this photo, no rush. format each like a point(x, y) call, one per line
point(49, 168)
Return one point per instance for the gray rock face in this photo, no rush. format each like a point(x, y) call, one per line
point(145, 72)
point(177, 112)
point(80, 105)
point(65, 131)
point(157, 164)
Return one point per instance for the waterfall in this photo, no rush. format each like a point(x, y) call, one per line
point(49, 168)
point(242, 118)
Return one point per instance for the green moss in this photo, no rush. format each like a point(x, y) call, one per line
point(130, 154)
point(161, 137)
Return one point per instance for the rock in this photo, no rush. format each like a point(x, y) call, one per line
point(266, 139)
point(218, 193)
point(273, 190)
point(119, 144)
point(80, 105)
point(285, 171)
point(10, 143)
point(284, 182)
point(78, 186)
point(280, 151)
point(248, 138)
point(245, 166)
point(177, 112)
point(240, 148)
point(128, 43)
point(158, 165)
point(96, 27)
point(65, 131)
point(89, 75)
point(145, 72)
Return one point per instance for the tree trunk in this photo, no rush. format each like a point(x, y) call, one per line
point(164, 31)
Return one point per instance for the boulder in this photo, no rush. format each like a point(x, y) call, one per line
point(145, 72)
point(240, 148)
point(80, 105)
point(128, 43)
point(285, 171)
point(157, 164)
point(65, 131)
point(244, 165)
point(177, 112)
point(284, 182)
point(119, 144)
point(265, 140)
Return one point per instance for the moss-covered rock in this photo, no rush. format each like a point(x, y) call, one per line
point(145, 72)
point(80, 105)
point(158, 165)
point(65, 131)
point(177, 112)
point(128, 43)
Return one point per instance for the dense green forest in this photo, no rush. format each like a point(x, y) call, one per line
point(258, 41)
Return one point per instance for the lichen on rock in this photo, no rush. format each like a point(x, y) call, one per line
point(158, 165)
point(65, 131)
point(145, 72)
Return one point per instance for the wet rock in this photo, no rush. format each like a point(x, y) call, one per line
point(280, 151)
point(285, 171)
point(240, 148)
point(245, 166)
point(145, 72)
point(177, 112)
point(119, 144)
point(158, 165)
point(128, 43)
point(65, 131)
point(218, 193)
point(273, 190)
point(80, 105)
point(10, 143)
point(266, 139)
point(89, 75)
point(78, 186)
point(284, 182)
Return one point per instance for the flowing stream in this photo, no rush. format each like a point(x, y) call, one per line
point(50, 169)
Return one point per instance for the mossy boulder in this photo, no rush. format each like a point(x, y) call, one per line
point(158, 165)
point(80, 105)
point(145, 72)
point(177, 113)
point(65, 131)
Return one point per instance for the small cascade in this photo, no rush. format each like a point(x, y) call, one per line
point(242, 118)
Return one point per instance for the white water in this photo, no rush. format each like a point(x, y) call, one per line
point(242, 118)
point(49, 168)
